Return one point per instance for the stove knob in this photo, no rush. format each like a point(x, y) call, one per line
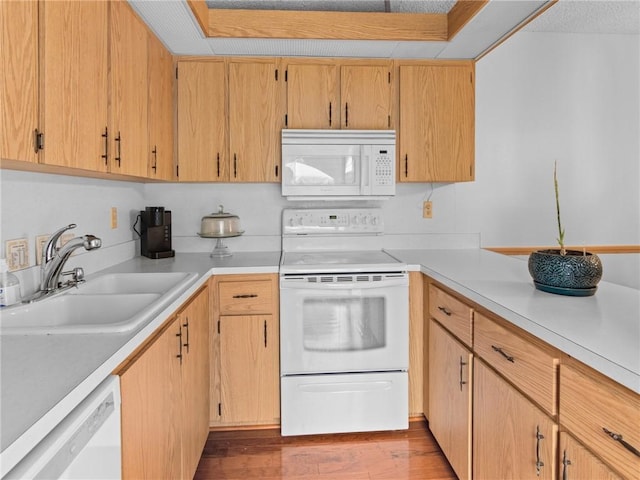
point(356, 220)
point(374, 220)
point(365, 220)
point(300, 221)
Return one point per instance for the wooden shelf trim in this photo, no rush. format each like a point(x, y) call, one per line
point(588, 248)
point(240, 23)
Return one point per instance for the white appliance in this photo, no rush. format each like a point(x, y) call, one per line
point(344, 324)
point(338, 163)
point(85, 445)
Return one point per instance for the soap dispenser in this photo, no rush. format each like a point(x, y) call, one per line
point(9, 286)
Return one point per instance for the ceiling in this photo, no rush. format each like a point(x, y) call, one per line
point(175, 24)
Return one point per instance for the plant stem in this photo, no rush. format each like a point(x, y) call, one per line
point(560, 238)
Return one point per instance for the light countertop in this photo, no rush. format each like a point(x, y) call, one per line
point(602, 331)
point(43, 377)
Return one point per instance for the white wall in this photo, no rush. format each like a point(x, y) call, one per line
point(573, 98)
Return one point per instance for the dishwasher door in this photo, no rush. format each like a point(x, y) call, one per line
point(85, 445)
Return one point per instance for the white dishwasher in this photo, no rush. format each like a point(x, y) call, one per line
point(85, 445)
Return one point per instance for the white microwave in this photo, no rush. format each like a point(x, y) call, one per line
point(328, 164)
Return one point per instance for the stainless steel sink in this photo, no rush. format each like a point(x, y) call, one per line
point(110, 303)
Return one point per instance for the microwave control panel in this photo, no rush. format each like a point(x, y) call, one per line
point(384, 166)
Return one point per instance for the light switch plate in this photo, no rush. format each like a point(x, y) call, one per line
point(17, 254)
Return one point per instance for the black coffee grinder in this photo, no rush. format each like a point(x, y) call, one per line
point(155, 232)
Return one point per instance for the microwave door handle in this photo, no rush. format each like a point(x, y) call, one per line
point(365, 176)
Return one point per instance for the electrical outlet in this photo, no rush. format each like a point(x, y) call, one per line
point(17, 254)
point(114, 217)
point(41, 241)
point(427, 210)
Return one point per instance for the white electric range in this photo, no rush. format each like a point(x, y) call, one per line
point(344, 324)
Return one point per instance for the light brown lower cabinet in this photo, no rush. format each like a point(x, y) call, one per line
point(450, 387)
point(249, 369)
point(577, 463)
point(512, 438)
point(165, 398)
point(245, 346)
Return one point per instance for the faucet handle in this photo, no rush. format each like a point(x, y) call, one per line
point(77, 276)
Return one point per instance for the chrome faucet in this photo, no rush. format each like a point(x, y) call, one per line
point(54, 259)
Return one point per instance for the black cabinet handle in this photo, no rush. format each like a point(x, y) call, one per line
point(329, 113)
point(539, 463)
point(565, 463)
point(445, 311)
point(462, 382)
point(246, 295)
point(105, 135)
point(118, 157)
point(154, 152)
point(218, 163)
point(618, 438)
point(265, 334)
point(346, 114)
point(406, 165)
point(186, 326)
point(179, 335)
point(501, 352)
point(235, 166)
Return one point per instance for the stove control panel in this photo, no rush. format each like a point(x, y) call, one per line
point(333, 221)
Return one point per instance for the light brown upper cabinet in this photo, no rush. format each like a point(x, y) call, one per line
point(161, 75)
point(202, 124)
point(128, 121)
point(437, 123)
point(73, 70)
point(256, 118)
point(366, 94)
point(313, 96)
point(19, 81)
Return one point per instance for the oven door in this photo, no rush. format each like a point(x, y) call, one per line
point(344, 323)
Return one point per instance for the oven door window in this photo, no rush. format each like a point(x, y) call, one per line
point(344, 324)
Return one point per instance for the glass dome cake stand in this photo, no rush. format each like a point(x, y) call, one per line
point(220, 250)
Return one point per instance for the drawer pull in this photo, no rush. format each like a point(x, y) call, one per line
point(462, 382)
point(179, 335)
point(539, 463)
point(246, 295)
point(618, 438)
point(501, 352)
point(445, 311)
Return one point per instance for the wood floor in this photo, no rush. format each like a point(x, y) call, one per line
point(265, 455)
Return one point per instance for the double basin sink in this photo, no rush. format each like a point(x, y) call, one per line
point(109, 303)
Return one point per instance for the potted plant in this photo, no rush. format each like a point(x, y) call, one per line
point(562, 271)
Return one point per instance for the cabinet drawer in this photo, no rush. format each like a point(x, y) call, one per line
point(530, 367)
point(590, 403)
point(244, 297)
point(454, 315)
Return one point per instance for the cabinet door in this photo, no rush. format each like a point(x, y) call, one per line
point(450, 381)
point(576, 462)
point(161, 74)
point(194, 320)
point(128, 92)
point(202, 127)
point(512, 438)
point(312, 96)
point(366, 97)
point(437, 112)
point(19, 80)
point(151, 411)
point(249, 370)
point(73, 69)
point(254, 122)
